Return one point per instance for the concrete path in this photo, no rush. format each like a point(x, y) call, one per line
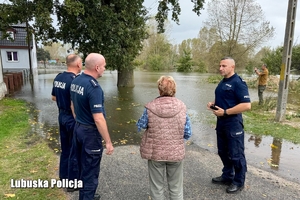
point(124, 176)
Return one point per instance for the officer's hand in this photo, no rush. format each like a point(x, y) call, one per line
point(219, 112)
point(209, 104)
point(109, 148)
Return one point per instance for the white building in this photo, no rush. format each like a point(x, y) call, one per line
point(14, 56)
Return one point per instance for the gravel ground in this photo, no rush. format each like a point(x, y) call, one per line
point(124, 176)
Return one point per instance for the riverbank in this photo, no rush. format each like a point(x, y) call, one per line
point(25, 155)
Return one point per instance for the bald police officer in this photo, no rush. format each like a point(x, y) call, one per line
point(90, 128)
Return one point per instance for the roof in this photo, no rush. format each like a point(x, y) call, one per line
point(23, 25)
point(20, 36)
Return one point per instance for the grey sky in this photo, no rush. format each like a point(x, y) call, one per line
point(190, 24)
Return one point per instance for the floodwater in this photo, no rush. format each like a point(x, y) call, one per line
point(124, 107)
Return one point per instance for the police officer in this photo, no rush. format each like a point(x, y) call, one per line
point(231, 99)
point(90, 128)
point(61, 94)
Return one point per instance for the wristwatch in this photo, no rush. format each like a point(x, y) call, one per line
point(225, 113)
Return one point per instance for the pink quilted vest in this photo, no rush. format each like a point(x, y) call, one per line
point(163, 139)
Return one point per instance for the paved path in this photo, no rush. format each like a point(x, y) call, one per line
point(124, 176)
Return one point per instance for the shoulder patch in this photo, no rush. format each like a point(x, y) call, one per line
point(94, 83)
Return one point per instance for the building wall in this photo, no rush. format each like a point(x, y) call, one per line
point(22, 63)
point(23, 60)
point(20, 45)
point(3, 89)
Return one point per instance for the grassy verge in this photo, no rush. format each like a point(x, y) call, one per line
point(24, 155)
point(260, 120)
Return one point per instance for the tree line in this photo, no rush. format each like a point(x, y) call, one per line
point(129, 38)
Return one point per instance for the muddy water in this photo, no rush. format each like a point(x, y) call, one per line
point(125, 105)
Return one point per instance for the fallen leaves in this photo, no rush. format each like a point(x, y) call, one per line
point(9, 195)
point(270, 162)
point(33, 171)
point(273, 146)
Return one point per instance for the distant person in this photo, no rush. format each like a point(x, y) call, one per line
point(88, 102)
point(262, 82)
point(61, 94)
point(167, 125)
point(231, 99)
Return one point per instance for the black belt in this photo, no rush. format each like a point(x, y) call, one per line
point(87, 126)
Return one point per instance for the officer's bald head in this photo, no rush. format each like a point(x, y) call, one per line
point(94, 59)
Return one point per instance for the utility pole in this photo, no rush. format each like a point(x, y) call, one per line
point(286, 60)
point(29, 41)
point(29, 51)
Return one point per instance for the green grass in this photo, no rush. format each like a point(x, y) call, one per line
point(260, 120)
point(12, 115)
point(24, 155)
point(265, 124)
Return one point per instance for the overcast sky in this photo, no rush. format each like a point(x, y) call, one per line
point(275, 11)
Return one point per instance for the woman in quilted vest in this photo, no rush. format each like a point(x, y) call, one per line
point(167, 126)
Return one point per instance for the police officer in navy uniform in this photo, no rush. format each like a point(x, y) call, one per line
point(231, 99)
point(90, 128)
point(61, 94)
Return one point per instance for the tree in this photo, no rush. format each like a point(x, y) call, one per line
point(256, 60)
point(57, 50)
point(38, 13)
point(42, 54)
point(164, 8)
point(115, 28)
point(238, 23)
point(112, 28)
point(273, 59)
point(199, 48)
point(185, 62)
point(157, 53)
point(295, 65)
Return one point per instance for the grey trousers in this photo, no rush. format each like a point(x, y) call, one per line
point(174, 174)
point(261, 89)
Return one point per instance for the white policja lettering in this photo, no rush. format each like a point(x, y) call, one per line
point(77, 89)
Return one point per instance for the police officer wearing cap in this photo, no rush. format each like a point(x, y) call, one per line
point(88, 103)
point(61, 94)
point(231, 99)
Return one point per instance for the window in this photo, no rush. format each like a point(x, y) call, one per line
point(11, 35)
point(12, 55)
